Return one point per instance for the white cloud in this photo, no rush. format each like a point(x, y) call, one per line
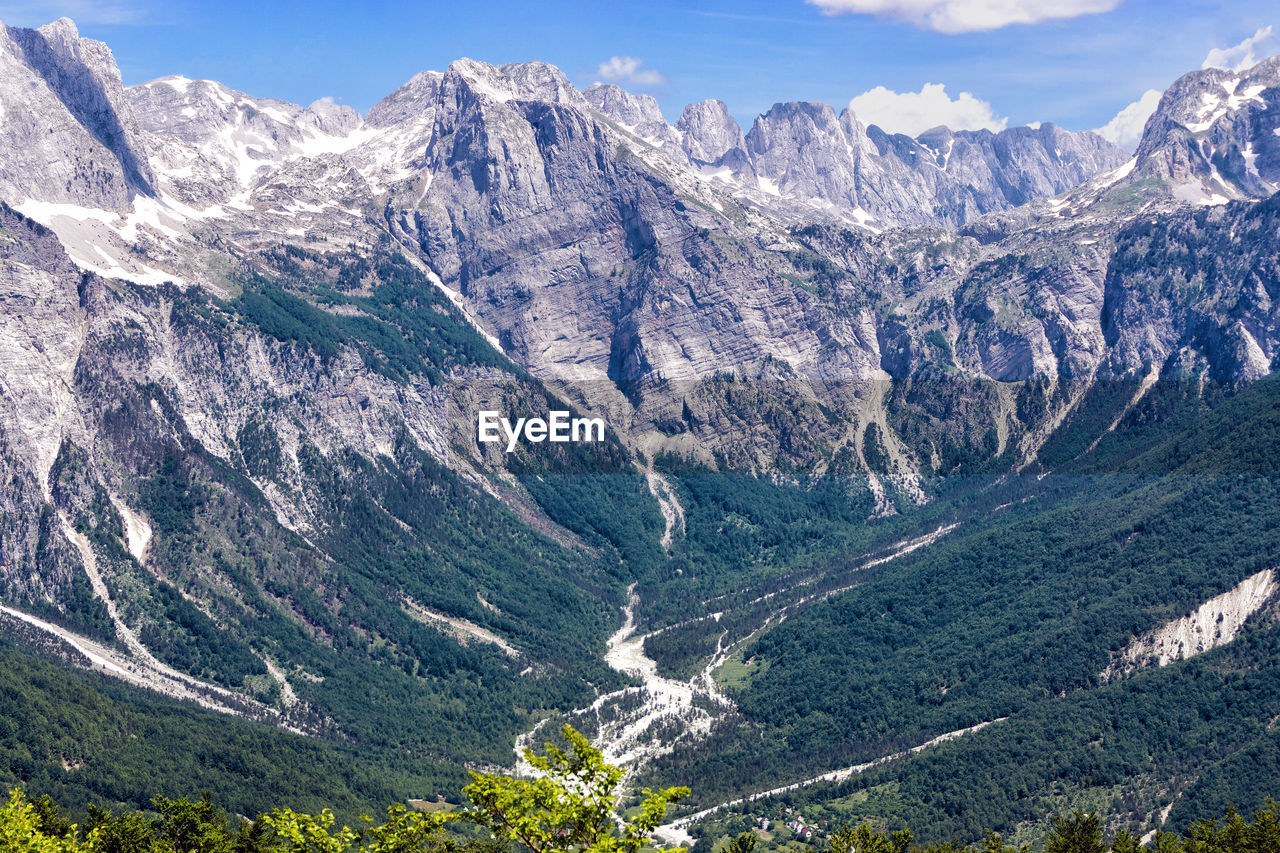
point(1125, 129)
point(1244, 55)
point(913, 113)
point(628, 69)
point(966, 16)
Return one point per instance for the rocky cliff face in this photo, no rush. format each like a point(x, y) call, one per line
point(1213, 135)
point(639, 115)
point(595, 244)
point(70, 135)
point(1195, 294)
point(344, 292)
point(805, 151)
point(711, 139)
point(41, 333)
point(557, 234)
point(834, 167)
point(940, 178)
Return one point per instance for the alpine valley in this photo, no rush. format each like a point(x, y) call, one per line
point(940, 484)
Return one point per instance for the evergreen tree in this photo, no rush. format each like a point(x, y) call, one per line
point(1076, 833)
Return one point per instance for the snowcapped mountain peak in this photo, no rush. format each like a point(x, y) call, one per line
point(541, 81)
point(1213, 136)
point(175, 81)
point(206, 153)
point(482, 79)
point(207, 138)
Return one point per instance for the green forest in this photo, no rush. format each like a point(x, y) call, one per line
point(568, 808)
point(1036, 580)
point(1011, 617)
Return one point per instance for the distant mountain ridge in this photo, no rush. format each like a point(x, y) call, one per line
point(798, 152)
point(807, 152)
point(591, 242)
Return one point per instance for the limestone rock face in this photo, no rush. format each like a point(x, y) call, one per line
point(1214, 135)
point(804, 150)
point(70, 137)
point(1197, 293)
point(638, 264)
point(710, 137)
point(285, 313)
point(42, 332)
point(638, 114)
point(539, 81)
point(584, 265)
point(407, 103)
point(942, 177)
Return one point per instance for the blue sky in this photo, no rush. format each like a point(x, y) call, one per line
point(1077, 72)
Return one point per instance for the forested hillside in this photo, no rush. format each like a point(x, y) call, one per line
point(938, 490)
point(569, 808)
point(1015, 618)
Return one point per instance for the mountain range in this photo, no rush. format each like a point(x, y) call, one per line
point(243, 344)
